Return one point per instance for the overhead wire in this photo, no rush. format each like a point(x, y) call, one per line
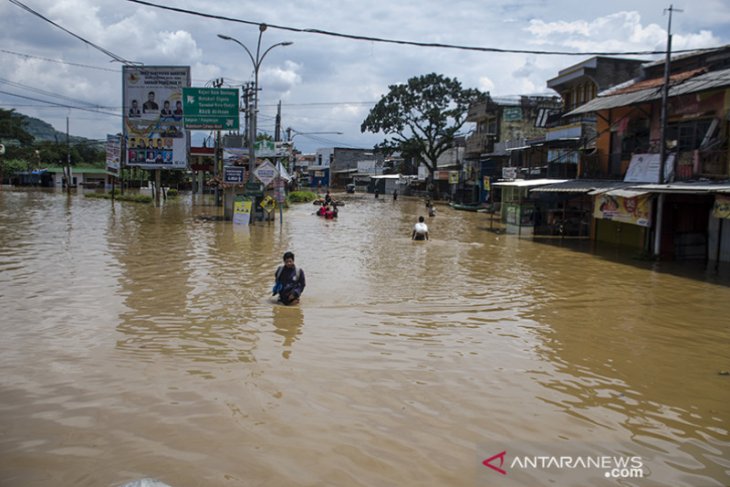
point(62, 105)
point(86, 41)
point(40, 91)
point(404, 42)
point(30, 56)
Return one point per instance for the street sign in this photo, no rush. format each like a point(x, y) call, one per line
point(270, 148)
point(242, 210)
point(210, 108)
point(233, 174)
point(266, 172)
point(279, 190)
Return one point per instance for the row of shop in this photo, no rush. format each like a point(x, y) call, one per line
point(688, 216)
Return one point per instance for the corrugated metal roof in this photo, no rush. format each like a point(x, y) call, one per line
point(525, 183)
point(703, 82)
point(626, 193)
point(685, 187)
point(580, 186)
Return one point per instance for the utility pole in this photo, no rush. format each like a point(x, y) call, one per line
point(218, 169)
point(68, 160)
point(277, 126)
point(663, 134)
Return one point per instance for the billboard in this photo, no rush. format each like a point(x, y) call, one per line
point(153, 116)
point(113, 153)
point(636, 210)
point(644, 168)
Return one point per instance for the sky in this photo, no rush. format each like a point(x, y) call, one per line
point(324, 83)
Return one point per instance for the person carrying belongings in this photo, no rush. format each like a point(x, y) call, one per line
point(290, 281)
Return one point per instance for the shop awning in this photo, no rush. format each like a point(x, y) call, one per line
point(683, 187)
point(526, 183)
point(580, 186)
point(625, 193)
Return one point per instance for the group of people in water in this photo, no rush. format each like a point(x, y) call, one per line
point(289, 279)
point(328, 208)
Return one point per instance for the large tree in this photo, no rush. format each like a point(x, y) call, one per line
point(11, 130)
point(422, 116)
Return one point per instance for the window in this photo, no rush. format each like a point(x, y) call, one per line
point(688, 134)
point(636, 138)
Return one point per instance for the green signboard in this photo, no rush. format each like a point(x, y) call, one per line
point(210, 108)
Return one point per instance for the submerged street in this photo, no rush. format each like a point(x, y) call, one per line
point(143, 342)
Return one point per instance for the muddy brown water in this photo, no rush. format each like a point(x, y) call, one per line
point(138, 341)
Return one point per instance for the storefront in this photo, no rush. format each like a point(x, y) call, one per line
point(622, 217)
point(519, 209)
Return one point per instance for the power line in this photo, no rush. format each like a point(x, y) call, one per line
point(402, 42)
point(61, 105)
point(29, 56)
point(105, 51)
point(40, 91)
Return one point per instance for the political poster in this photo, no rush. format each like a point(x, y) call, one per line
point(153, 116)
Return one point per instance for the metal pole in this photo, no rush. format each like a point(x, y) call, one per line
point(662, 137)
point(719, 243)
point(68, 160)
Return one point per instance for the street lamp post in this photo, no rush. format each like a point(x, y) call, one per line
point(291, 140)
point(254, 113)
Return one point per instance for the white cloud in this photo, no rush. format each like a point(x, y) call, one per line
point(318, 75)
point(485, 84)
point(178, 46)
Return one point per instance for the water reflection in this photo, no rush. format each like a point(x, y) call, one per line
point(147, 337)
point(288, 321)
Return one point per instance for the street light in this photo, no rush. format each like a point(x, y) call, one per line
point(256, 65)
point(291, 141)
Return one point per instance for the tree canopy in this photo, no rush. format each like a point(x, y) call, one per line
point(23, 146)
point(422, 116)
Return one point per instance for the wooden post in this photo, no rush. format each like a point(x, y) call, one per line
point(719, 243)
point(158, 185)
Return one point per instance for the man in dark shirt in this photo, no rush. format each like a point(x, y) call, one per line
point(290, 281)
point(134, 109)
point(150, 105)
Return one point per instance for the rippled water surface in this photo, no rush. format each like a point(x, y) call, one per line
point(142, 342)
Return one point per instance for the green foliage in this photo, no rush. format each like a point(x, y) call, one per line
point(301, 197)
point(38, 144)
point(422, 116)
point(11, 166)
point(172, 193)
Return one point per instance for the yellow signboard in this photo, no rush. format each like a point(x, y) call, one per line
point(242, 211)
point(722, 207)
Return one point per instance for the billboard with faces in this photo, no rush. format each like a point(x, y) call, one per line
point(153, 116)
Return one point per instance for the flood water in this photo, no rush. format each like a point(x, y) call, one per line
point(140, 341)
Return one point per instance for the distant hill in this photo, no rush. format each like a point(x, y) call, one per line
point(44, 131)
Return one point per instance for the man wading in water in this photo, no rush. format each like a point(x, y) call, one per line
point(290, 281)
point(420, 230)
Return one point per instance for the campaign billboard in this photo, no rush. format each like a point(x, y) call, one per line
point(153, 116)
